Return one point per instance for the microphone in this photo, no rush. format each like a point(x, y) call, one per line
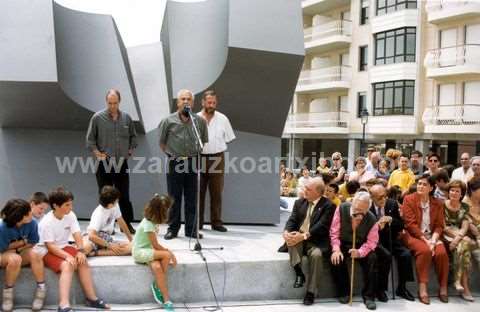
point(186, 111)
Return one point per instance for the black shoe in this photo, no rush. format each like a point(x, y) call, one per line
point(283, 248)
point(343, 299)
point(170, 235)
point(200, 235)
point(382, 296)
point(299, 281)
point(405, 294)
point(309, 298)
point(370, 304)
point(131, 229)
point(219, 228)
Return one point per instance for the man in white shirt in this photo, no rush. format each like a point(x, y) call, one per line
point(220, 133)
point(464, 172)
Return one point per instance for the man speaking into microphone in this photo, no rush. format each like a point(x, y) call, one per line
point(179, 142)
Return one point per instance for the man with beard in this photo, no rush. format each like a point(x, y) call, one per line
point(220, 133)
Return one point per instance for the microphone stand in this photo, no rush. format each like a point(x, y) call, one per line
point(198, 246)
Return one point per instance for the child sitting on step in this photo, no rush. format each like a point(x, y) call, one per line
point(18, 235)
point(99, 241)
point(64, 258)
point(147, 250)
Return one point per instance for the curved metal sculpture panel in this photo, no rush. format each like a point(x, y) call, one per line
point(57, 63)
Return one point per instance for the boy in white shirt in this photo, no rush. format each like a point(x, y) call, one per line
point(99, 241)
point(62, 257)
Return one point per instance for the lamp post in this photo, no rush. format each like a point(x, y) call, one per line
point(364, 121)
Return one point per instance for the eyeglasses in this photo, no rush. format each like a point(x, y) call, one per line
point(466, 159)
point(336, 158)
point(433, 160)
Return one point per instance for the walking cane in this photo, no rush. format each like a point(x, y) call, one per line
point(391, 259)
point(352, 272)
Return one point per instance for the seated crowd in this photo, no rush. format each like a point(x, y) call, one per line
point(426, 216)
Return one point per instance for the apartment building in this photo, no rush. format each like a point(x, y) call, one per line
point(412, 66)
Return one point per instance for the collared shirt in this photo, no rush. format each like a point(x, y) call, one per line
point(113, 137)
point(220, 133)
point(460, 174)
point(365, 249)
point(426, 219)
point(179, 137)
point(306, 223)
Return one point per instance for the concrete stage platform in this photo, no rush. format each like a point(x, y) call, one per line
point(249, 268)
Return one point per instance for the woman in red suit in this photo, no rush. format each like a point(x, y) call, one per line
point(424, 223)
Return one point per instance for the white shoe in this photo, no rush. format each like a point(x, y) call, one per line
point(39, 298)
point(7, 301)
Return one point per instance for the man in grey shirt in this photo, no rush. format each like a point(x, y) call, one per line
point(111, 136)
point(178, 141)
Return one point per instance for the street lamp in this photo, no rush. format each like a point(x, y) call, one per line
point(364, 121)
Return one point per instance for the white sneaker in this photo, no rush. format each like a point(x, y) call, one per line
point(39, 298)
point(7, 301)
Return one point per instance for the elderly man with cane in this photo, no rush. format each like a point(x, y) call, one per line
point(354, 235)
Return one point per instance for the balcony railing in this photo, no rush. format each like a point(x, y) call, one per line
point(327, 74)
point(437, 5)
point(333, 28)
point(337, 119)
point(453, 56)
point(451, 115)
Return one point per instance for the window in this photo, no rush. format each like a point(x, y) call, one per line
point(395, 46)
point(394, 98)
point(363, 62)
point(389, 6)
point(364, 12)
point(362, 103)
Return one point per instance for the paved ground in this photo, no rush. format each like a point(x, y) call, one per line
point(456, 304)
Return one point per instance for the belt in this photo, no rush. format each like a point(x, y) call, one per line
point(216, 154)
point(179, 157)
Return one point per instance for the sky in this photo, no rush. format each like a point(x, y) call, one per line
point(139, 21)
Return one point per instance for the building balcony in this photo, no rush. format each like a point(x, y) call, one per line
point(327, 79)
point(398, 19)
point(457, 118)
point(463, 60)
point(441, 11)
point(311, 7)
point(332, 35)
point(392, 125)
point(311, 123)
point(391, 72)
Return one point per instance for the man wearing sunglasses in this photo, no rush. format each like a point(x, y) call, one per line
point(433, 164)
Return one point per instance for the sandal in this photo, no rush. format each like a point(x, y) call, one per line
point(97, 304)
